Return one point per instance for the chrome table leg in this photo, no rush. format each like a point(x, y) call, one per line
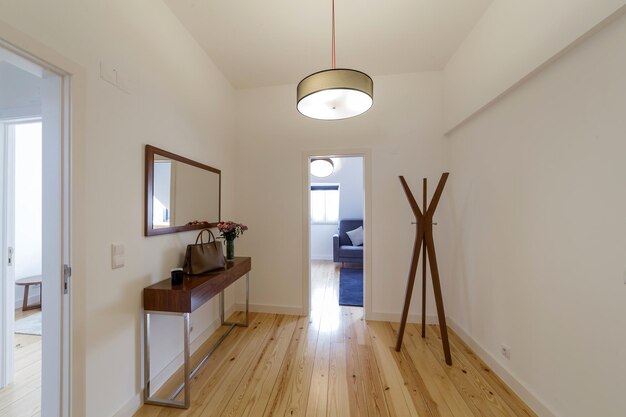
point(243, 323)
point(170, 402)
point(186, 385)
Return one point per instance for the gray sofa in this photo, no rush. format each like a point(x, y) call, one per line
point(343, 250)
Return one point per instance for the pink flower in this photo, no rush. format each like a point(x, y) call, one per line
point(231, 230)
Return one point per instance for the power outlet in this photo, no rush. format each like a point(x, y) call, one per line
point(506, 351)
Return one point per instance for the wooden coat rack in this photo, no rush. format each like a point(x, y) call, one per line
point(424, 241)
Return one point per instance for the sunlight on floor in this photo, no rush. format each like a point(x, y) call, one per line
point(325, 309)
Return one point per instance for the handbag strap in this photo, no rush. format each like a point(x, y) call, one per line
point(200, 237)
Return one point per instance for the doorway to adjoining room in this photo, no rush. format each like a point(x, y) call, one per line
point(336, 192)
point(33, 240)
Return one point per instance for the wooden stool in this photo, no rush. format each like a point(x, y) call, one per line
point(27, 282)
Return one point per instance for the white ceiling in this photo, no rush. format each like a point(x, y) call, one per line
point(269, 42)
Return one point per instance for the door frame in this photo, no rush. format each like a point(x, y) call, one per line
point(72, 401)
point(366, 154)
point(7, 287)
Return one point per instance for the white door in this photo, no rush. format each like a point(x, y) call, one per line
point(52, 244)
point(6, 324)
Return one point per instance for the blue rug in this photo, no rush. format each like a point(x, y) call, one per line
point(351, 287)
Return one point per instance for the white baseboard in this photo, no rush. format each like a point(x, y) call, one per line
point(322, 257)
point(395, 317)
point(131, 406)
point(136, 401)
point(526, 394)
point(272, 309)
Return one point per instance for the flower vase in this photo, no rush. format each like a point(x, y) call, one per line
point(230, 249)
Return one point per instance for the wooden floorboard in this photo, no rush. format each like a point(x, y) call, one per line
point(499, 387)
point(23, 396)
point(253, 392)
point(336, 364)
point(475, 390)
point(290, 394)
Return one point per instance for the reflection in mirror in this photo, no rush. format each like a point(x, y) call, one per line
point(181, 194)
point(162, 192)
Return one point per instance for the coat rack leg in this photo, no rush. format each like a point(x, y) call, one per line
point(425, 200)
point(434, 272)
point(424, 291)
point(417, 246)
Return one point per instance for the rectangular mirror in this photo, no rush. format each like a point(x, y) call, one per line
point(181, 194)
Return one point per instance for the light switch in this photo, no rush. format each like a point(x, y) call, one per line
point(108, 73)
point(117, 255)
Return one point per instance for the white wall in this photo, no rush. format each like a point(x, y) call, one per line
point(403, 130)
point(178, 101)
point(28, 206)
point(537, 194)
point(509, 42)
point(348, 173)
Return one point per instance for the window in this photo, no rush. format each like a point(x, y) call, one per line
point(325, 204)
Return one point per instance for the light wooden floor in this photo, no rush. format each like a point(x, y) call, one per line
point(337, 364)
point(23, 397)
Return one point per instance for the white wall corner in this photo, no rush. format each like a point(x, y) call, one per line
point(517, 386)
point(498, 55)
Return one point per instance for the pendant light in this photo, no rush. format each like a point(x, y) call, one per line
point(322, 167)
point(336, 93)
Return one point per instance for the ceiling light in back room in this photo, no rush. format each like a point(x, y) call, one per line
point(322, 167)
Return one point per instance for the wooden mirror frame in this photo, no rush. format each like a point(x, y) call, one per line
point(149, 189)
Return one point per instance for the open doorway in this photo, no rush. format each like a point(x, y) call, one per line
point(23, 153)
point(33, 237)
point(337, 238)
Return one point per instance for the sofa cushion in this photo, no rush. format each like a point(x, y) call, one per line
point(347, 251)
point(356, 236)
point(346, 225)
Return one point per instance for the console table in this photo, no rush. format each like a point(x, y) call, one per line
point(181, 300)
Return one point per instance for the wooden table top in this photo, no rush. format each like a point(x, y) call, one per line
point(29, 280)
point(195, 290)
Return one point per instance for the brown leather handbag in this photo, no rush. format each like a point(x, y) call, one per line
point(204, 257)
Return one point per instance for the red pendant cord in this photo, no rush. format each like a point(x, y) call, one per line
point(333, 60)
